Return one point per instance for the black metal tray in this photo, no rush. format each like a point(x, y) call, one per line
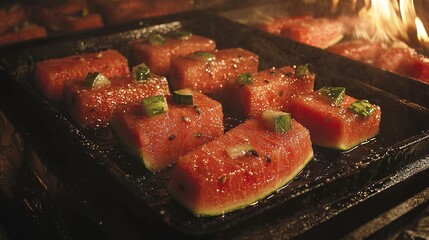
point(403, 86)
point(101, 165)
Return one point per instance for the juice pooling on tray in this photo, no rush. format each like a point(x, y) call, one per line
point(51, 74)
point(336, 120)
point(246, 164)
point(157, 50)
point(251, 94)
point(160, 139)
point(208, 72)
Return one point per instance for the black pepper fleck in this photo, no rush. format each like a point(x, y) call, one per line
point(171, 137)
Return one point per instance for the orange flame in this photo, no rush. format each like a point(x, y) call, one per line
point(391, 20)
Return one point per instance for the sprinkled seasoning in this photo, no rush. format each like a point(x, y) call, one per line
point(171, 137)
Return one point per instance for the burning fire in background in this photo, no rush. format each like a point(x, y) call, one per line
point(390, 20)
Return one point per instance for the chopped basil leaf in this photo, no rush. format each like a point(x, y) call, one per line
point(245, 78)
point(336, 94)
point(301, 70)
point(141, 72)
point(156, 39)
point(154, 105)
point(96, 80)
point(202, 56)
point(362, 107)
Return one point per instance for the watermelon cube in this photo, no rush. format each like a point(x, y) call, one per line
point(93, 107)
point(51, 74)
point(158, 55)
point(158, 141)
point(359, 50)
point(211, 181)
point(316, 32)
point(269, 89)
point(334, 126)
point(26, 33)
point(208, 72)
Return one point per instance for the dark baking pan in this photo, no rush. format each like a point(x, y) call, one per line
point(101, 164)
point(403, 86)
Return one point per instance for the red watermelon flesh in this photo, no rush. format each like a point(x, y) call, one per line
point(27, 33)
point(159, 141)
point(271, 89)
point(211, 76)
point(208, 182)
point(51, 74)
point(158, 57)
point(276, 25)
point(320, 32)
point(334, 126)
point(11, 17)
point(420, 69)
point(359, 50)
point(67, 16)
point(94, 107)
point(397, 59)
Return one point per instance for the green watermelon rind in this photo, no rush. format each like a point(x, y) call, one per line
point(132, 149)
point(243, 204)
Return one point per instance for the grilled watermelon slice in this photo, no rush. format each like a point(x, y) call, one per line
point(213, 180)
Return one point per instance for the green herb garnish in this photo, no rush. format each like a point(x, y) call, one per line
point(277, 121)
point(156, 39)
point(154, 105)
point(183, 97)
point(301, 70)
point(245, 78)
point(336, 94)
point(141, 72)
point(181, 34)
point(202, 56)
point(362, 107)
point(96, 80)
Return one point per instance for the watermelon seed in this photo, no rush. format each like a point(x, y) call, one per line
point(197, 109)
point(171, 137)
point(198, 135)
point(253, 153)
point(266, 81)
point(222, 180)
point(281, 93)
point(268, 158)
point(93, 109)
point(186, 119)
